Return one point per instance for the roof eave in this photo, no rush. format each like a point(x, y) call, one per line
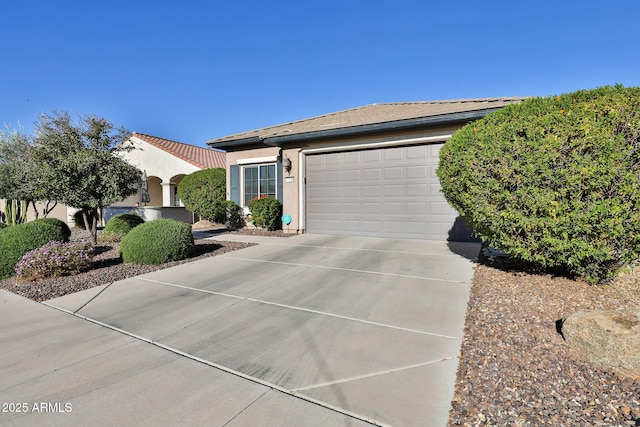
point(278, 141)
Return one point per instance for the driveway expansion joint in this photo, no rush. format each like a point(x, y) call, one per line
point(226, 369)
point(307, 310)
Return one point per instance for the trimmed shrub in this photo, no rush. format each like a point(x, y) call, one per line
point(204, 192)
point(18, 240)
point(58, 223)
point(119, 225)
point(553, 181)
point(266, 212)
point(55, 259)
point(158, 241)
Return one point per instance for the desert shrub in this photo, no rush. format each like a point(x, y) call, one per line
point(157, 241)
point(119, 225)
point(55, 259)
point(266, 212)
point(234, 215)
point(78, 221)
point(58, 223)
point(18, 240)
point(204, 192)
point(553, 181)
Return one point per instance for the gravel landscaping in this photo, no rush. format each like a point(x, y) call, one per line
point(107, 268)
point(516, 369)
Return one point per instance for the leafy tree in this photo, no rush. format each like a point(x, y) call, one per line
point(204, 192)
point(19, 183)
point(553, 181)
point(79, 165)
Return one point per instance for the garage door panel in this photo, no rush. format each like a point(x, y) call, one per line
point(416, 190)
point(391, 154)
point(417, 172)
point(351, 175)
point(386, 192)
point(393, 173)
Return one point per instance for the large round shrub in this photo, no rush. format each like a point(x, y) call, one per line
point(204, 192)
point(554, 181)
point(158, 241)
point(119, 225)
point(18, 240)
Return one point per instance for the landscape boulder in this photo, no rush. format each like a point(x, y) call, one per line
point(610, 339)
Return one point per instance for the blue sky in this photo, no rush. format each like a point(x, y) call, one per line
point(197, 70)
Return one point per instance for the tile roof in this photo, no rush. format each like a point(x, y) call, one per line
point(204, 158)
point(373, 114)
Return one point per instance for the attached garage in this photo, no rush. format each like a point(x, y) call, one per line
point(379, 192)
point(368, 171)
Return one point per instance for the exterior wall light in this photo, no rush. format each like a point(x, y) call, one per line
point(286, 164)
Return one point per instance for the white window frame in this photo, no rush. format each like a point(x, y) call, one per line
point(244, 167)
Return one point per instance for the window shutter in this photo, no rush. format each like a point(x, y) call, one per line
point(234, 178)
point(279, 181)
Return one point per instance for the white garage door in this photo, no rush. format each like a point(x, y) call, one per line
point(385, 192)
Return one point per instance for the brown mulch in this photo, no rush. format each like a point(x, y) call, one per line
point(515, 367)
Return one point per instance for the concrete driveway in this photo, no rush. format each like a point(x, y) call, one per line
point(306, 330)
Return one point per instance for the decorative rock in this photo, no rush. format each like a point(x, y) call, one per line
point(610, 339)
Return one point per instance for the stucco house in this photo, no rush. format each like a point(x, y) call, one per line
point(164, 163)
point(366, 171)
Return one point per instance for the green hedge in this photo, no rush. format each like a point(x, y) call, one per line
point(119, 225)
point(553, 181)
point(18, 240)
point(158, 241)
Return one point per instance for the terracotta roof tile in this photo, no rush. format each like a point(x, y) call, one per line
point(374, 114)
point(204, 158)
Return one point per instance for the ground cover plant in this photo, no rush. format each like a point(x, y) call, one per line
point(19, 239)
point(55, 259)
point(553, 181)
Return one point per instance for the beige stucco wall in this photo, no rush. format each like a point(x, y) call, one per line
point(293, 185)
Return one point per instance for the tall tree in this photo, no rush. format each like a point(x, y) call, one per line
point(79, 165)
point(19, 174)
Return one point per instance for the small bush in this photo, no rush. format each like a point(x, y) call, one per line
point(553, 181)
point(266, 212)
point(157, 241)
point(3, 225)
point(55, 259)
point(58, 223)
point(119, 225)
point(234, 215)
point(18, 240)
